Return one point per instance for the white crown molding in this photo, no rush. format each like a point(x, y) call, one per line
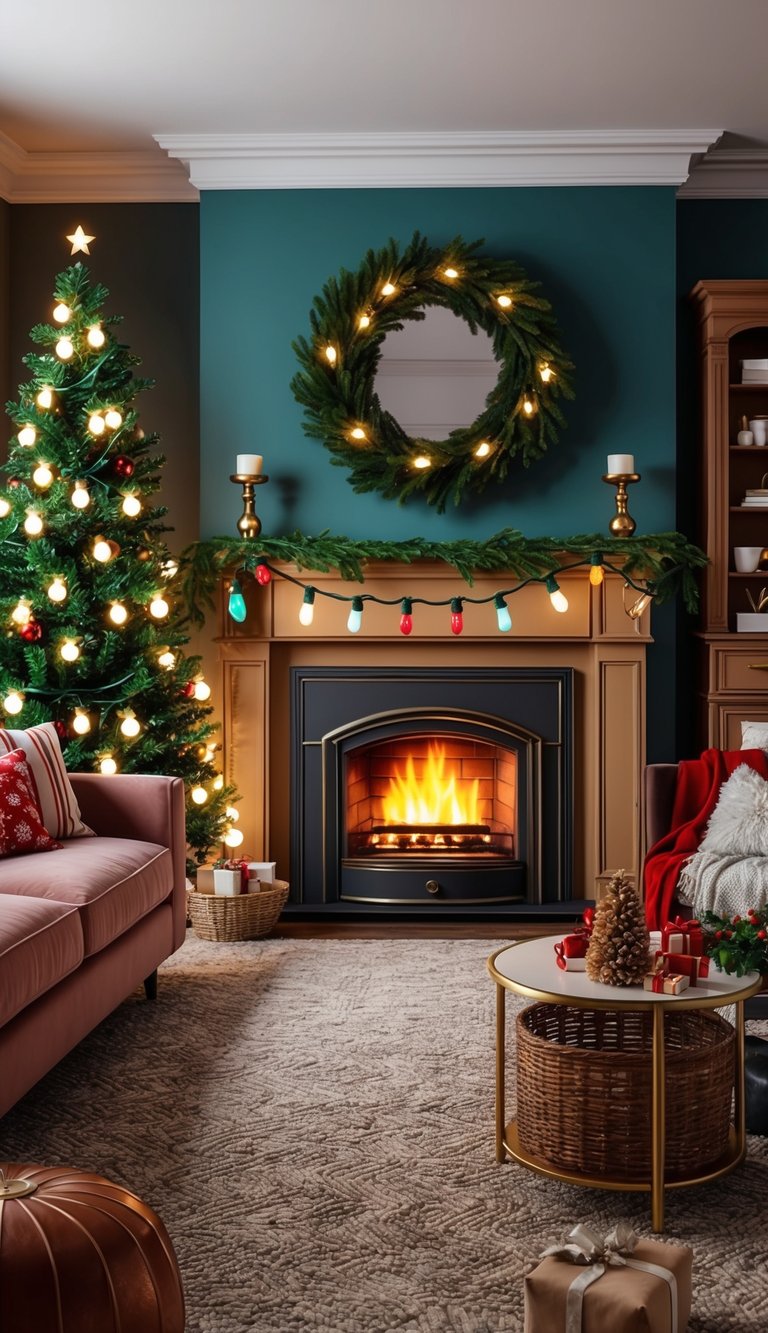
point(728, 173)
point(93, 178)
point(473, 159)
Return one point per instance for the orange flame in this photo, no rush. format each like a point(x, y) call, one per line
point(438, 796)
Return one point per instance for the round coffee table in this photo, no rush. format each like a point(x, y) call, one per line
point(529, 969)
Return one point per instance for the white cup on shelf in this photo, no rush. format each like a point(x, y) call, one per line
point(759, 428)
point(747, 558)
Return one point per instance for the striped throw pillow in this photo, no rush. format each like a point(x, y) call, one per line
point(57, 801)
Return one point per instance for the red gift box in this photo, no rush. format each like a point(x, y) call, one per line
point(692, 967)
point(692, 933)
point(571, 950)
point(242, 865)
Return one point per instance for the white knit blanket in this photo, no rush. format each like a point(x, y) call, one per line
point(726, 885)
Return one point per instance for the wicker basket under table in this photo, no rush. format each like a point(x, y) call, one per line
point(246, 916)
point(584, 1081)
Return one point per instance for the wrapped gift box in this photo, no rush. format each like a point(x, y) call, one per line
point(679, 937)
point(665, 983)
point(692, 967)
point(623, 1300)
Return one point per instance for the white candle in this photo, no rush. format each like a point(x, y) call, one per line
point(621, 463)
point(249, 464)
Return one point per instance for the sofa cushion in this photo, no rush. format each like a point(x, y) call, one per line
point(21, 825)
point(40, 943)
point(112, 881)
point(58, 803)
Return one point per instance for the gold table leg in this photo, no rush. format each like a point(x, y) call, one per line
point(500, 1041)
point(657, 1121)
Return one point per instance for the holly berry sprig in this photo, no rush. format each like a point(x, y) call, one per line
point(738, 943)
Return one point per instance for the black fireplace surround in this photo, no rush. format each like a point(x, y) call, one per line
point(512, 726)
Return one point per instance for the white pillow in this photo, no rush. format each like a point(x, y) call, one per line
point(738, 825)
point(58, 803)
point(754, 735)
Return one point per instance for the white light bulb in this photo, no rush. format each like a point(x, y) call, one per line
point(5, 507)
point(388, 289)
point(108, 766)
point(33, 523)
point(421, 462)
point(158, 607)
point(113, 418)
point(81, 496)
point(546, 374)
point(81, 723)
point(167, 660)
point(331, 354)
point(504, 301)
point(528, 407)
point(232, 813)
point(42, 476)
point(21, 613)
point(450, 273)
point(130, 726)
point(364, 322)
point(65, 349)
point(44, 398)
point(218, 782)
point(57, 590)
point(306, 613)
point(132, 506)
point(13, 702)
point(559, 600)
point(118, 613)
point(202, 690)
point(102, 550)
point(483, 449)
point(169, 569)
point(62, 313)
point(357, 433)
point(69, 650)
point(199, 795)
point(96, 424)
point(27, 435)
point(95, 336)
point(233, 837)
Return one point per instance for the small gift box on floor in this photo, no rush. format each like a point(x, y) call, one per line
point(616, 1284)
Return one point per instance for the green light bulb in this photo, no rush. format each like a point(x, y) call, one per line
point(236, 605)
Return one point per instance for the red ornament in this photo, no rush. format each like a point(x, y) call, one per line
point(32, 631)
point(123, 466)
point(263, 575)
point(61, 730)
point(13, 482)
point(188, 690)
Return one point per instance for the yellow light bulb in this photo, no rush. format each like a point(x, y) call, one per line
point(166, 660)
point(504, 301)
point(13, 702)
point(422, 462)
point(218, 782)
point(102, 550)
point(130, 726)
point(69, 651)
point(450, 273)
point(113, 418)
point(388, 289)
point(364, 322)
point(27, 435)
point(81, 723)
point(57, 590)
point(95, 337)
point(158, 607)
point(5, 507)
point(107, 766)
point(132, 506)
point(33, 523)
point(232, 813)
point(233, 837)
point(65, 349)
point(199, 795)
point(118, 613)
point(330, 355)
point(81, 496)
point(96, 424)
point(637, 608)
point(202, 690)
point(357, 433)
point(21, 613)
point(42, 476)
point(44, 398)
point(62, 313)
point(483, 449)
point(596, 574)
point(546, 374)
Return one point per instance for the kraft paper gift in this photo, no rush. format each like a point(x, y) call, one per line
point(595, 1287)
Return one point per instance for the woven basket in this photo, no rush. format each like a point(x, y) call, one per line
point(244, 917)
point(584, 1089)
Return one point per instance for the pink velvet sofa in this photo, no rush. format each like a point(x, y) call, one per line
point(83, 926)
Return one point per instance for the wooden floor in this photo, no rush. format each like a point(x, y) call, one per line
point(419, 930)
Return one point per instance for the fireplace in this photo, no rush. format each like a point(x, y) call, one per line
point(311, 711)
point(420, 785)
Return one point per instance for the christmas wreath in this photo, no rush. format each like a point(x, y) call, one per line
point(349, 322)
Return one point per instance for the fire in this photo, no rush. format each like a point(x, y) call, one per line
point(438, 796)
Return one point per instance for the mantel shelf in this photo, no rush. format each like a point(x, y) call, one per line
point(749, 509)
point(755, 387)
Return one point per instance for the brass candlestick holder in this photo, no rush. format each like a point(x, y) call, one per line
point(622, 524)
point(249, 523)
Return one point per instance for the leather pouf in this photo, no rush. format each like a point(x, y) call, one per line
point(81, 1255)
point(756, 1084)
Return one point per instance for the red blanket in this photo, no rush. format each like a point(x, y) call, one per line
point(698, 787)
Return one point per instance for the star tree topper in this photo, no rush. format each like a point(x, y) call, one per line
point(80, 241)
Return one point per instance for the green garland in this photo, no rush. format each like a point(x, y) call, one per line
point(349, 321)
point(666, 561)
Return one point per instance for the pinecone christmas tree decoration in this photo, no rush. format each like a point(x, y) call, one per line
point(618, 953)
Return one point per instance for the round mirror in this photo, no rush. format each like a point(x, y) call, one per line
point(435, 375)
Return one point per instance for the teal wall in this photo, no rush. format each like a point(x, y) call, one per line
point(606, 259)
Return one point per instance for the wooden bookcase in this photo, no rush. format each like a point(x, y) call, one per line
point(733, 326)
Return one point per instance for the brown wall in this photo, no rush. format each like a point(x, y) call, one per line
point(5, 319)
point(147, 256)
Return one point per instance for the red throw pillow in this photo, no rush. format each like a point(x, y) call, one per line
point(21, 824)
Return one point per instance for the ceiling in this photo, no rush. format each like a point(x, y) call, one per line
point(111, 77)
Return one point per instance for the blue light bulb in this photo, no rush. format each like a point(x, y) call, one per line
point(503, 618)
point(236, 604)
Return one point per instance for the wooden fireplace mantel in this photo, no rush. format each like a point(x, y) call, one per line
point(595, 637)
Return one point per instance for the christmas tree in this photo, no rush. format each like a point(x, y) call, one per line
point(619, 945)
point(94, 639)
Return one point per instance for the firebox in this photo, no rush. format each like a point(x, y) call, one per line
point(423, 788)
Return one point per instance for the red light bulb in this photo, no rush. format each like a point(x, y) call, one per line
point(263, 575)
point(457, 616)
point(406, 619)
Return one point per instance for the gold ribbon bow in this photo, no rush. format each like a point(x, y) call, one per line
point(597, 1253)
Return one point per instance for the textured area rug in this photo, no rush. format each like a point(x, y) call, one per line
point(313, 1120)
